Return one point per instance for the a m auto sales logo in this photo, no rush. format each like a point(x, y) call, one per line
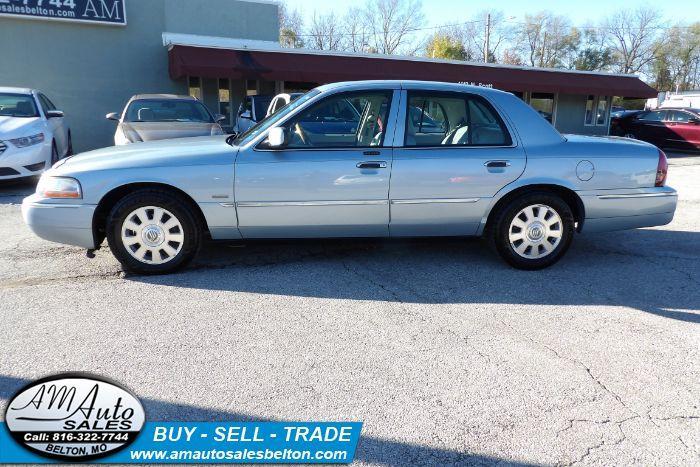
point(74, 417)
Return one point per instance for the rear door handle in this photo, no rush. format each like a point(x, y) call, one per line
point(497, 164)
point(371, 165)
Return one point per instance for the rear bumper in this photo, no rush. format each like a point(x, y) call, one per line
point(628, 209)
point(70, 224)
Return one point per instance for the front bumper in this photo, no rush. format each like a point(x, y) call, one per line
point(608, 210)
point(24, 162)
point(67, 223)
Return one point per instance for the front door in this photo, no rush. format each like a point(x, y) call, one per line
point(457, 154)
point(650, 127)
point(331, 179)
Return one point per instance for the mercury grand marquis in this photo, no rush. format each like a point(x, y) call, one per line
point(359, 159)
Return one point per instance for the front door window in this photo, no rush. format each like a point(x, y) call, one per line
point(348, 120)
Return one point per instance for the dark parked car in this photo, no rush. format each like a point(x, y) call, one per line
point(673, 128)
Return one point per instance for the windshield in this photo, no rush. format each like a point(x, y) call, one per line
point(17, 105)
point(167, 110)
point(266, 123)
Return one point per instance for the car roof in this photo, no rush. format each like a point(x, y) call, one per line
point(163, 97)
point(409, 84)
point(680, 108)
point(16, 90)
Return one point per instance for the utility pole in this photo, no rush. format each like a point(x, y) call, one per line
point(488, 38)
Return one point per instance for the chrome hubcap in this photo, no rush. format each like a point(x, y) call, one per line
point(535, 231)
point(152, 235)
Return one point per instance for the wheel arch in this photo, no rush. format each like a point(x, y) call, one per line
point(567, 194)
point(111, 198)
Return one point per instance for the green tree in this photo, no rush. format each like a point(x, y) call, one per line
point(591, 53)
point(442, 45)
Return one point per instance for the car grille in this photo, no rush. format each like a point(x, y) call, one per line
point(3, 146)
point(7, 171)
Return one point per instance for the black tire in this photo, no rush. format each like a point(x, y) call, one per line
point(54, 153)
point(69, 150)
point(175, 205)
point(499, 231)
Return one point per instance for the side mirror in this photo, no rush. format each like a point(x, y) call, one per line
point(276, 137)
point(694, 120)
point(246, 114)
point(219, 118)
point(112, 116)
point(54, 114)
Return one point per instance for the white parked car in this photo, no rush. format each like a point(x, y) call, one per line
point(33, 133)
point(280, 100)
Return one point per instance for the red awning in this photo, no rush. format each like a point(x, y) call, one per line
point(327, 68)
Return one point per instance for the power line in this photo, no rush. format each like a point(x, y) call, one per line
point(410, 30)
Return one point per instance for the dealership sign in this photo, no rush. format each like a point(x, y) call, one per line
point(112, 12)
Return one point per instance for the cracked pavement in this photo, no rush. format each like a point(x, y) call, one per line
point(447, 355)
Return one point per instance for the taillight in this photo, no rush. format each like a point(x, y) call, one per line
point(661, 169)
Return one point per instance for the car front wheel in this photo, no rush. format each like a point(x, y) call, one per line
point(153, 232)
point(533, 231)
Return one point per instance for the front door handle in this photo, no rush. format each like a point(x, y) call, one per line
point(371, 165)
point(497, 164)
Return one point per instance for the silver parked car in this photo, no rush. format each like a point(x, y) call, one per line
point(361, 159)
point(150, 117)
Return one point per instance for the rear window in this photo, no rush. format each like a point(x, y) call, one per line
point(261, 104)
point(17, 105)
point(167, 110)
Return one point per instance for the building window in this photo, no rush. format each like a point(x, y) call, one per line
point(590, 104)
point(195, 87)
point(602, 114)
point(544, 104)
point(251, 87)
point(597, 108)
point(225, 100)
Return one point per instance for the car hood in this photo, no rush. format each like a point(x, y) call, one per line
point(204, 150)
point(16, 127)
point(152, 131)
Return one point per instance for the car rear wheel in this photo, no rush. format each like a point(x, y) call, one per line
point(533, 231)
point(54, 154)
point(153, 232)
point(69, 149)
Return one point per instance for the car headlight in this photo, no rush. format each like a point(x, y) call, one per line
point(28, 140)
point(59, 187)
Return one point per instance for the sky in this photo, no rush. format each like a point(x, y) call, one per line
point(581, 12)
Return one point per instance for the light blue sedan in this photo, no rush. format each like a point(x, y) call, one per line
point(419, 159)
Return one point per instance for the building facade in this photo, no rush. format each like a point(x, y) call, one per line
point(221, 51)
point(90, 69)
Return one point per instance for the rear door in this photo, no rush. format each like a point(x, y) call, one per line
point(455, 153)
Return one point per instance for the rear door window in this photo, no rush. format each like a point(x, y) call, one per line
point(452, 119)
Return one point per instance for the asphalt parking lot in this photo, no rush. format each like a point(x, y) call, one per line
point(447, 355)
